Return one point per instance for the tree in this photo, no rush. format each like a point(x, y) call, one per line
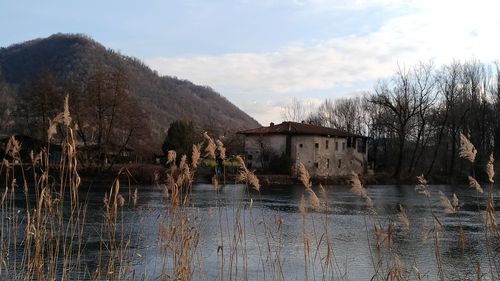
point(181, 136)
point(347, 114)
point(402, 100)
point(296, 111)
point(39, 103)
point(6, 107)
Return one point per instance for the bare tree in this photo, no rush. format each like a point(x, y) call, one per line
point(38, 104)
point(107, 116)
point(401, 105)
point(296, 111)
point(424, 90)
point(6, 107)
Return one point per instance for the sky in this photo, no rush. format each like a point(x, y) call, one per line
point(261, 54)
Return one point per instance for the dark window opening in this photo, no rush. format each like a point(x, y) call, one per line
point(340, 162)
point(316, 145)
point(327, 163)
point(316, 165)
point(249, 156)
point(337, 145)
point(362, 145)
point(326, 144)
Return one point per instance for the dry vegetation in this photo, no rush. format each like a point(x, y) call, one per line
point(40, 240)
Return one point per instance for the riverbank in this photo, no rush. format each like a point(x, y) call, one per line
point(141, 174)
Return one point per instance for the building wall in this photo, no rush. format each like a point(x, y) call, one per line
point(258, 148)
point(320, 159)
point(332, 159)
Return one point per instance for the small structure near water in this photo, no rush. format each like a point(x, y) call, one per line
point(324, 151)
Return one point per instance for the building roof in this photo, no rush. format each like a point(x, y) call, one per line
point(294, 128)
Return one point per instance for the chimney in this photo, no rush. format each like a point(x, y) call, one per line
point(271, 124)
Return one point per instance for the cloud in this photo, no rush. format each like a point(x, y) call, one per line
point(432, 30)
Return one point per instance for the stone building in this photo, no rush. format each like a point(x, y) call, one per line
point(324, 151)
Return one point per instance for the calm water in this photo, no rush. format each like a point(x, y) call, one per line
point(349, 226)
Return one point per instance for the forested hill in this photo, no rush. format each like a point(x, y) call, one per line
point(74, 58)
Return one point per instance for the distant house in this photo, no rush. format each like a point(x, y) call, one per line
point(324, 151)
point(93, 155)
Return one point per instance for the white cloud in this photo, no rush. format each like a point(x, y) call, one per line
point(437, 30)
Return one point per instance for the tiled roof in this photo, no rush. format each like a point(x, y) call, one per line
point(295, 128)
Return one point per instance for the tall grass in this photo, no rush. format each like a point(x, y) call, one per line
point(44, 229)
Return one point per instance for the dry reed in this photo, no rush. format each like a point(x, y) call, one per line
point(475, 185)
point(422, 186)
point(247, 176)
point(403, 218)
point(467, 149)
point(359, 190)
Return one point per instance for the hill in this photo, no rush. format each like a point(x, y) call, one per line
point(74, 57)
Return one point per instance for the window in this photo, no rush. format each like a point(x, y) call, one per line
point(327, 163)
point(316, 145)
point(249, 156)
point(316, 165)
point(337, 146)
point(340, 163)
point(343, 145)
point(361, 146)
point(326, 144)
point(261, 145)
point(301, 145)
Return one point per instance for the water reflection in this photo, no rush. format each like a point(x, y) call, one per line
point(274, 224)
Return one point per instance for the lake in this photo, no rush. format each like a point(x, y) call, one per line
point(273, 246)
point(263, 238)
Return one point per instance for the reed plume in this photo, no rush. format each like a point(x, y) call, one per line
point(66, 115)
point(52, 130)
point(195, 155)
point(305, 178)
point(13, 147)
point(383, 236)
point(422, 186)
point(171, 156)
point(245, 175)
point(211, 147)
point(359, 190)
point(467, 149)
point(403, 218)
point(450, 206)
point(474, 184)
point(490, 169)
point(221, 149)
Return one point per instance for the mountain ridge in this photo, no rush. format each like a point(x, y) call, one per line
point(73, 57)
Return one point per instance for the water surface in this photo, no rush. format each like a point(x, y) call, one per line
point(273, 246)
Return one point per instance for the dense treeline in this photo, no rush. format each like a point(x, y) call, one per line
point(415, 118)
point(109, 119)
